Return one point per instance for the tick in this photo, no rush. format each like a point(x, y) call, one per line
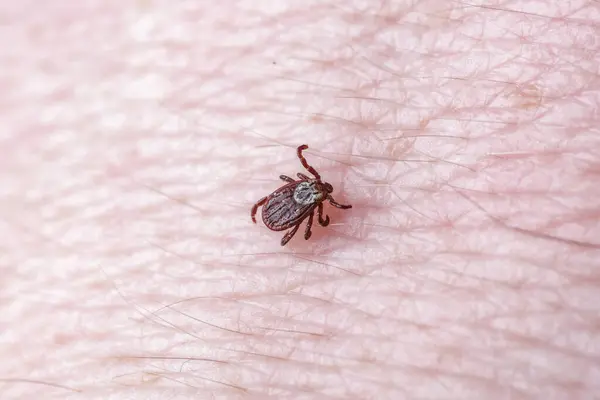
point(291, 204)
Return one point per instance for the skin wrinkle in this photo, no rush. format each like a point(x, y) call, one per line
point(140, 134)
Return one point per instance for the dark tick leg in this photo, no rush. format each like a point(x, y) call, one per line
point(322, 222)
point(286, 238)
point(302, 176)
point(336, 204)
point(286, 178)
point(308, 232)
point(255, 208)
point(304, 163)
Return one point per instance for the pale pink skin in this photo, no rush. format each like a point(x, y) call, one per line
point(136, 135)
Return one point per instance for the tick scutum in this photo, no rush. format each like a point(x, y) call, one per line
point(307, 193)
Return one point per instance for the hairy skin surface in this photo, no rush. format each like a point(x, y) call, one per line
point(136, 135)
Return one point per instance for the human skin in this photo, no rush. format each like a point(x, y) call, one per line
point(137, 135)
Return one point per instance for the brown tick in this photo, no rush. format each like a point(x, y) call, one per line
point(291, 204)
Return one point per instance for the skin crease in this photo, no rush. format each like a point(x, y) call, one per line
point(138, 134)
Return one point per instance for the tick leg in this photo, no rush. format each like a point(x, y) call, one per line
point(302, 176)
point(286, 238)
point(286, 178)
point(304, 163)
point(322, 222)
point(255, 208)
point(336, 204)
point(308, 232)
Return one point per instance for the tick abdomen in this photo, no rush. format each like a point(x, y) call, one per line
point(282, 211)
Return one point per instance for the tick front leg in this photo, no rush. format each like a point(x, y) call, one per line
point(302, 176)
point(308, 232)
point(255, 208)
point(288, 236)
point(322, 222)
point(336, 204)
point(286, 178)
point(304, 163)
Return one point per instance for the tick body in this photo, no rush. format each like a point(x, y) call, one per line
point(288, 206)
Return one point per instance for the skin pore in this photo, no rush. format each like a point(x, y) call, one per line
point(137, 135)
